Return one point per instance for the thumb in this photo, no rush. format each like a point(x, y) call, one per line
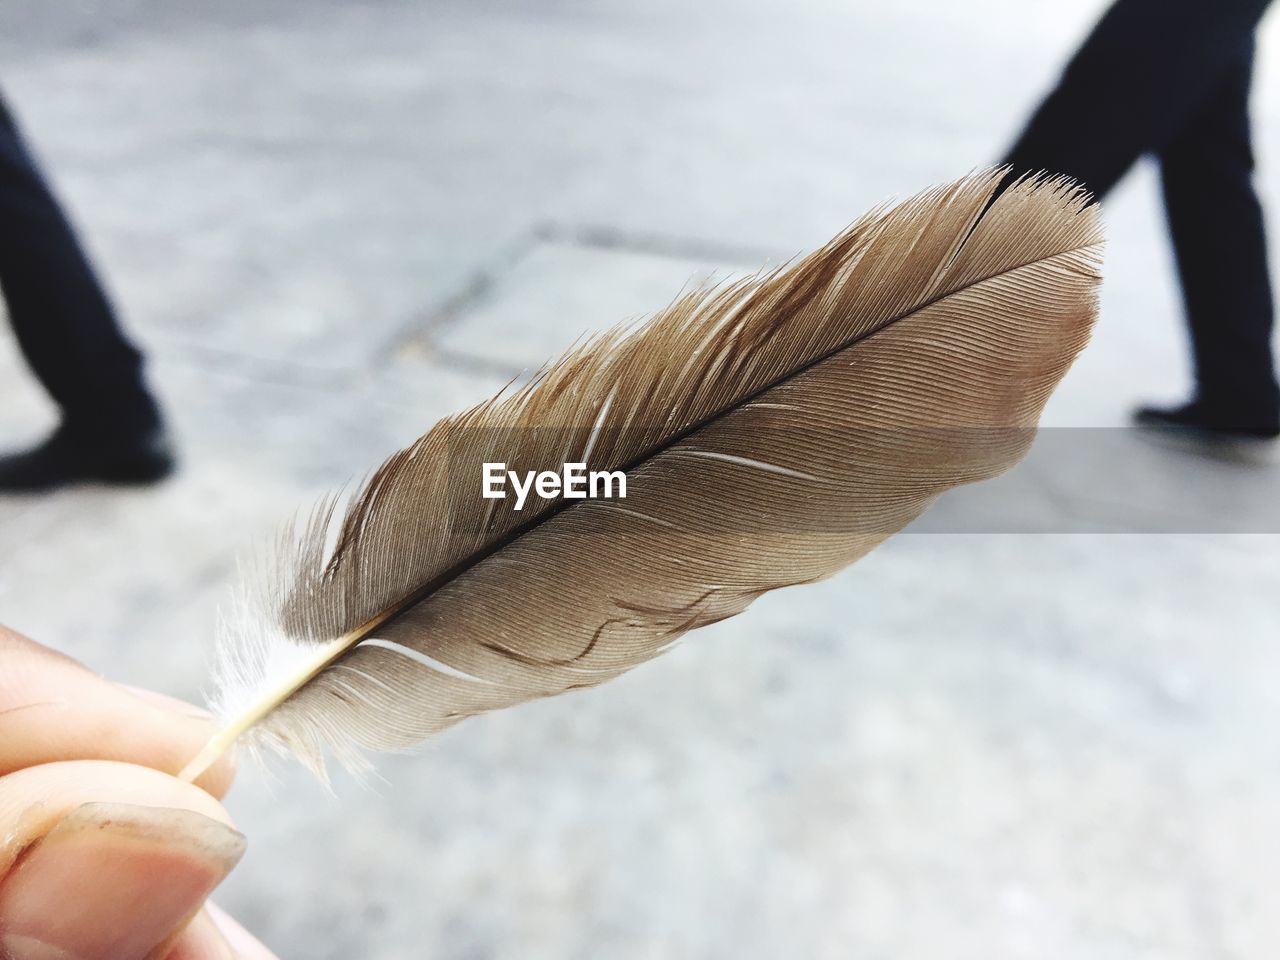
point(113, 880)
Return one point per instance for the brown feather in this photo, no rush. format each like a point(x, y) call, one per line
point(772, 430)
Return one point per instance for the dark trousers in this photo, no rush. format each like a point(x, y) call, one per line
point(63, 322)
point(1171, 78)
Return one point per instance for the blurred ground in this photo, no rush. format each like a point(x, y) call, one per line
point(333, 223)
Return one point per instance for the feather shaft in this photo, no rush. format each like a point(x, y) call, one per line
point(269, 699)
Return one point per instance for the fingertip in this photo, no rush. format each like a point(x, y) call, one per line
point(53, 709)
point(199, 940)
point(163, 700)
point(244, 944)
point(197, 727)
point(135, 875)
point(216, 781)
point(34, 800)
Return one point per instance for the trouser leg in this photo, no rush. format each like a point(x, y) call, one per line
point(62, 319)
point(1147, 66)
point(1216, 223)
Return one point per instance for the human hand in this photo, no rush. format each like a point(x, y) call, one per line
point(104, 854)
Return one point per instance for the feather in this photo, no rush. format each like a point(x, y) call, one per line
point(771, 430)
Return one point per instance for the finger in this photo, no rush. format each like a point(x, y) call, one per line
point(245, 944)
point(53, 709)
point(201, 940)
point(215, 936)
point(105, 861)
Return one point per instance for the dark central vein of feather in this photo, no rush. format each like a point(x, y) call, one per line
point(366, 630)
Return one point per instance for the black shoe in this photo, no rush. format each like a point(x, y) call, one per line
point(67, 457)
point(1207, 422)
